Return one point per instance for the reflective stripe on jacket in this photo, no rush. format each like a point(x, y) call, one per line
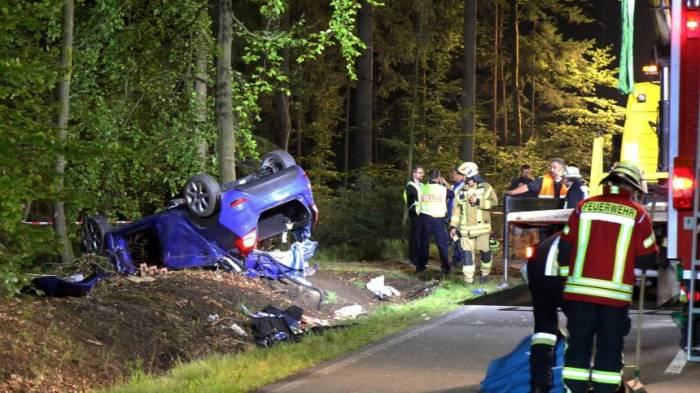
point(433, 200)
point(605, 234)
point(415, 203)
point(473, 220)
point(547, 190)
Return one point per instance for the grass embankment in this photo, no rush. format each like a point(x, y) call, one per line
point(252, 369)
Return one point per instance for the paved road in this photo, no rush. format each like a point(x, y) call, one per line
point(452, 353)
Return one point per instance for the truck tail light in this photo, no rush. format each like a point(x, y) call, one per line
point(683, 183)
point(247, 243)
point(529, 252)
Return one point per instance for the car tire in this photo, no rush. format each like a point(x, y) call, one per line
point(275, 161)
point(92, 234)
point(201, 195)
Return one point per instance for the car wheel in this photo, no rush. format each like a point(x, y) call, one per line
point(201, 195)
point(275, 161)
point(93, 232)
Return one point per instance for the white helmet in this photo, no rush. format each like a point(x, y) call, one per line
point(468, 169)
point(573, 172)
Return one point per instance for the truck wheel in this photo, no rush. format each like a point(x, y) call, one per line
point(92, 234)
point(275, 161)
point(201, 195)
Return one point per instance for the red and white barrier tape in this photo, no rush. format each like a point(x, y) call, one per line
point(44, 223)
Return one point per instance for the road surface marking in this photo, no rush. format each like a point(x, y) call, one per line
point(374, 349)
point(677, 364)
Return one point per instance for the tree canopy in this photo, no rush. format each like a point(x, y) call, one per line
point(139, 125)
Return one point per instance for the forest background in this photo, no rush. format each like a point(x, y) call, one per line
point(115, 116)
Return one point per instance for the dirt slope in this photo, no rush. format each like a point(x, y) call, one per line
point(72, 344)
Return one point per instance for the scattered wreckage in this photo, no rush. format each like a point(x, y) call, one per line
point(213, 226)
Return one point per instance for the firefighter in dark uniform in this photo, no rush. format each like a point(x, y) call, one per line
point(606, 237)
point(545, 286)
point(411, 197)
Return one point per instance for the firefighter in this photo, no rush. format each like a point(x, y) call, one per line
point(578, 190)
point(545, 286)
point(433, 209)
point(411, 197)
point(550, 185)
point(606, 237)
point(471, 221)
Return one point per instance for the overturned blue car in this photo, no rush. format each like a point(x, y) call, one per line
point(213, 225)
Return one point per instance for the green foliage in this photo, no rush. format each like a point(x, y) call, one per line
point(136, 128)
point(27, 77)
point(362, 216)
point(330, 297)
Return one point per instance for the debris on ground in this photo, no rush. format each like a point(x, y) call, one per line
point(74, 285)
point(239, 330)
point(139, 279)
point(383, 292)
point(146, 270)
point(163, 322)
point(349, 312)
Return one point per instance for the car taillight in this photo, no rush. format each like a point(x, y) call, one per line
point(529, 252)
point(683, 183)
point(247, 243)
point(238, 201)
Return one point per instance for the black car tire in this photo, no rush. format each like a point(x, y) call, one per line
point(275, 161)
point(92, 234)
point(201, 195)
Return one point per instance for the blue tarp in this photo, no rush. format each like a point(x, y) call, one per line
point(57, 286)
point(511, 373)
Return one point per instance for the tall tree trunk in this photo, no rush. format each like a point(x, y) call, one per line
point(504, 92)
point(517, 121)
point(468, 81)
point(66, 70)
point(362, 146)
point(494, 73)
point(414, 99)
point(224, 111)
point(200, 91)
point(533, 83)
point(346, 141)
point(284, 121)
point(300, 112)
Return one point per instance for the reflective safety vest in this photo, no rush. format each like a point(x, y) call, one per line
point(607, 233)
point(473, 221)
point(433, 200)
point(548, 191)
point(415, 203)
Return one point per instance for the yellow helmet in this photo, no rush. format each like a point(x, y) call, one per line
point(468, 169)
point(629, 173)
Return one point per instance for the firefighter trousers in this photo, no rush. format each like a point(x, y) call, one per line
point(469, 247)
point(546, 294)
point(608, 326)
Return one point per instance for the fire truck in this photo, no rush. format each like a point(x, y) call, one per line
point(661, 136)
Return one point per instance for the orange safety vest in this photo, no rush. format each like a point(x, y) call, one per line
point(547, 190)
